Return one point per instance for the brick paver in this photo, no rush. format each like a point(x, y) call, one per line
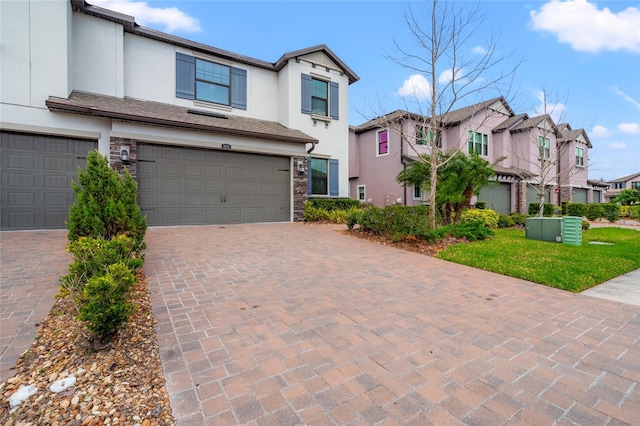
point(277, 324)
point(31, 264)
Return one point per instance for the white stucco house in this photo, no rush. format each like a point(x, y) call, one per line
point(211, 136)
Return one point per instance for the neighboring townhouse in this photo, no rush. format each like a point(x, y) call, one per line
point(381, 148)
point(620, 184)
point(211, 136)
point(573, 171)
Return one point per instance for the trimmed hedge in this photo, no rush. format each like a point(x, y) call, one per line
point(594, 211)
point(547, 211)
point(330, 204)
point(576, 209)
point(488, 217)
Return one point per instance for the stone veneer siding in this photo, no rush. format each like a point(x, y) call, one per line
point(300, 188)
point(114, 155)
point(522, 197)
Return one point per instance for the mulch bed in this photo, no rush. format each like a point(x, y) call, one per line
point(122, 384)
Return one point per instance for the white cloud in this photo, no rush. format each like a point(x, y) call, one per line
point(599, 132)
point(171, 19)
point(587, 28)
point(630, 128)
point(479, 50)
point(626, 97)
point(446, 76)
point(556, 111)
point(617, 145)
point(416, 86)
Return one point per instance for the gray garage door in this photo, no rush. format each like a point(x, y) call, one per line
point(596, 197)
point(35, 182)
point(580, 195)
point(532, 195)
point(192, 186)
point(497, 197)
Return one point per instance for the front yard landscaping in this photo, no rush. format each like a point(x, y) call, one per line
point(572, 268)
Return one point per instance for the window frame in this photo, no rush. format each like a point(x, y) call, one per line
point(635, 185)
point(313, 178)
point(472, 143)
point(419, 189)
point(379, 143)
point(579, 156)
point(326, 100)
point(364, 193)
point(544, 147)
point(212, 82)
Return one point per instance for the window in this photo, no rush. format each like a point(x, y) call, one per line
point(320, 97)
point(421, 136)
point(635, 185)
point(478, 143)
point(213, 82)
point(207, 81)
point(544, 145)
point(417, 192)
point(382, 142)
point(324, 177)
point(362, 193)
point(580, 157)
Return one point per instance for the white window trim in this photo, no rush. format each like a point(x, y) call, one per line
point(582, 166)
point(413, 192)
point(378, 142)
point(474, 139)
point(364, 199)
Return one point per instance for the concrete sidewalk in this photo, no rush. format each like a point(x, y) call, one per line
point(623, 289)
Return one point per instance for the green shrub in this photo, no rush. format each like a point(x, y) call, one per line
point(625, 211)
point(585, 225)
point(594, 211)
point(337, 216)
point(314, 214)
point(481, 205)
point(92, 258)
point(634, 212)
point(488, 217)
point(577, 209)
point(105, 204)
point(330, 204)
point(519, 218)
point(505, 221)
point(547, 211)
point(563, 207)
point(472, 230)
point(106, 307)
point(354, 216)
point(611, 211)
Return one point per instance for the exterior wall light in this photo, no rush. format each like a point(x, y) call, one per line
point(124, 154)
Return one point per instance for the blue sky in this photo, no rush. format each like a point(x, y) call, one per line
point(585, 54)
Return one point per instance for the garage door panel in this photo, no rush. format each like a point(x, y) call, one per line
point(35, 179)
point(217, 186)
point(497, 197)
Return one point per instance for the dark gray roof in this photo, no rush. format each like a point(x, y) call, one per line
point(512, 171)
point(533, 122)
point(568, 135)
point(175, 116)
point(450, 118)
point(625, 178)
point(130, 26)
point(598, 183)
point(510, 122)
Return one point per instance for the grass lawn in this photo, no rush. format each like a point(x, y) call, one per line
point(572, 268)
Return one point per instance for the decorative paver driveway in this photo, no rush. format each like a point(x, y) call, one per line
point(31, 264)
point(295, 324)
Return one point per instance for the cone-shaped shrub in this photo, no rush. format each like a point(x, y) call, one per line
point(105, 204)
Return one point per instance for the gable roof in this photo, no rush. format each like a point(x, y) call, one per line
point(157, 113)
point(569, 135)
point(509, 122)
point(534, 122)
point(625, 178)
point(129, 24)
point(451, 118)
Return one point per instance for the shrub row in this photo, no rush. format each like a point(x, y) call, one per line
point(330, 204)
point(608, 211)
point(547, 211)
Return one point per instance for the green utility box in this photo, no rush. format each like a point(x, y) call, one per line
point(544, 229)
point(572, 230)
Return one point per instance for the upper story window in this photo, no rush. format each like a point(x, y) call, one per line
point(478, 143)
point(544, 145)
point(382, 143)
point(425, 136)
point(635, 185)
point(207, 81)
point(579, 157)
point(320, 97)
point(213, 82)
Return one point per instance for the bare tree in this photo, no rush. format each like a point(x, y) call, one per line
point(546, 152)
point(455, 74)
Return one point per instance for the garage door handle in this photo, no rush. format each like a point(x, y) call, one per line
point(223, 198)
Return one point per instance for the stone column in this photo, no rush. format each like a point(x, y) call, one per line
point(114, 155)
point(300, 187)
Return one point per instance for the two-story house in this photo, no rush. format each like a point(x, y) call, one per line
point(618, 185)
point(211, 136)
point(530, 156)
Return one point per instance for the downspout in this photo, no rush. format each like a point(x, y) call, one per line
point(404, 167)
point(313, 146)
